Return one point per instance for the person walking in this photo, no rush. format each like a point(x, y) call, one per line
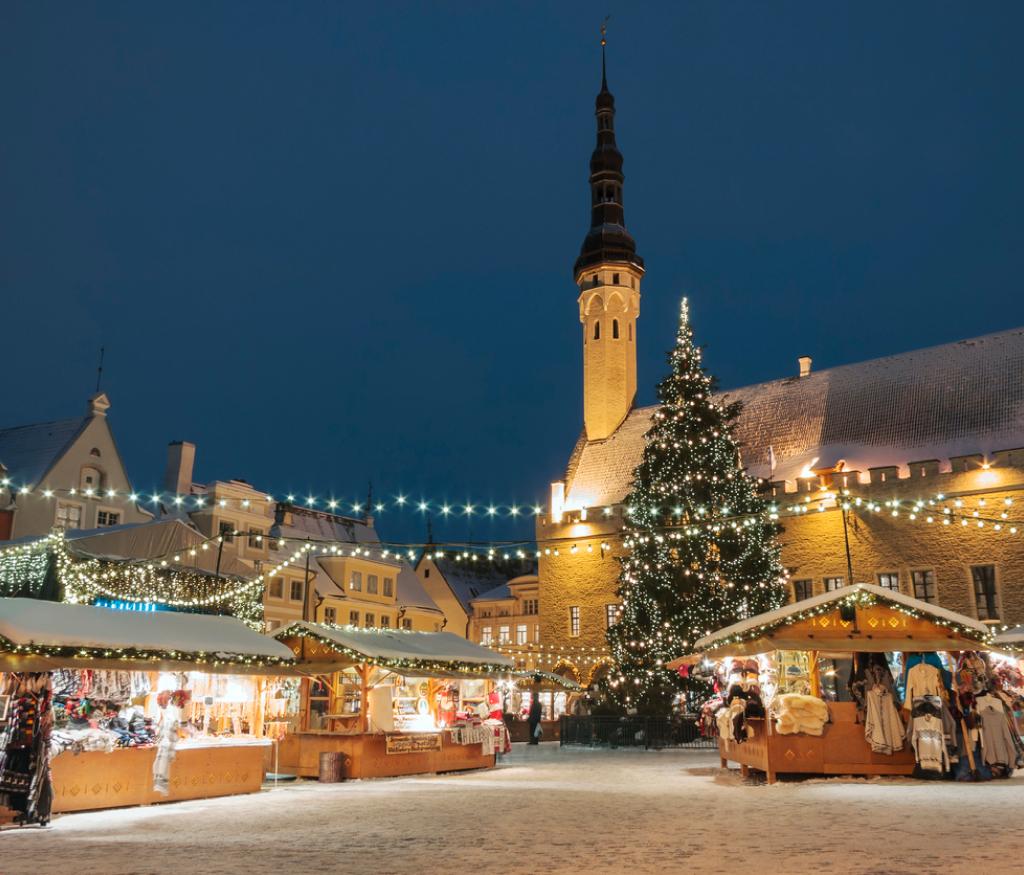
point(536, 712)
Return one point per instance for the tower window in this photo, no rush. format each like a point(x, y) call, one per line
point(615, 329)
point(615, 279)
point(593, 279)
point(597, 331)
point(630, 331)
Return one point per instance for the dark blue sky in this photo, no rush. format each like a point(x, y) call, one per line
point(331, 242)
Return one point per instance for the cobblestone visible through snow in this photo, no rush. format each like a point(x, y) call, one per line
point(551, 810)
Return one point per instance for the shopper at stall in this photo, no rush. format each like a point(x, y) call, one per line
point(536, 712)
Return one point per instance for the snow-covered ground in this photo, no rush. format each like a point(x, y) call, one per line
point(553, 810)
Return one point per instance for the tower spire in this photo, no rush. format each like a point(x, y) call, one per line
point(607, 241)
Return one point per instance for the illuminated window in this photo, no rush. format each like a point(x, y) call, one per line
point(802, 589)
point(371, 583)
point(529, 607)
point(611, 615)
point(486, 636)
point(389, 586)
point(984, 577)
point(368, 620)
point(356, 581)
point(69, 516)
point(574, 621)
point(833, 583)
point(521, 633)
point(504, 636)
point(330, 615)
point(924, 585)
point(889, 581)
point(536, 633)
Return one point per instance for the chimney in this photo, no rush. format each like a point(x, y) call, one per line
point(181, 459)
point(805, 365)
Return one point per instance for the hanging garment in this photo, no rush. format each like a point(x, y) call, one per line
point(929, 743)
point(883, 728)
point(166, 745)
point(923, 680)
point(996, 741)
point(25, 784)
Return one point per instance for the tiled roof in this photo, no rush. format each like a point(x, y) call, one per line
point(29, 451)
point(950, 400)
point(469, 580)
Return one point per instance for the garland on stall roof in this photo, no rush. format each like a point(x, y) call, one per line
point(394, 663)
point(138, 654)
point(858, 599)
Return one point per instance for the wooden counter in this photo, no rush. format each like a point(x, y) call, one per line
point(96, 779)
point(840, 750)
point(299, 754)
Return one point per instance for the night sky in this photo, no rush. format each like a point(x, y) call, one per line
point(333, 242)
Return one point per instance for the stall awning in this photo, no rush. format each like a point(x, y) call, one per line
point(862, 617)
point(1011, 639)
point(549, 680)
point(59, 633)
point(440, 653)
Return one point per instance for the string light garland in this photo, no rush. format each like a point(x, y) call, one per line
point(701, 548)
point(399, 664)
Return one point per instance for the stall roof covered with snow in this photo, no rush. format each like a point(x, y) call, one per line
point(858, 618)
point(420, 653)
point(32, 629)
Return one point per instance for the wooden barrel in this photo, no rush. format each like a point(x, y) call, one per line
point(333, 767)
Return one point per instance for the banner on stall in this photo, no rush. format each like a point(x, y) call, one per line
point(420, 743)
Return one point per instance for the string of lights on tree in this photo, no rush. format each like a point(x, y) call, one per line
point(721, 560)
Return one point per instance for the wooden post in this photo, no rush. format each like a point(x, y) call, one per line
point(259, 708)
point(815, 675)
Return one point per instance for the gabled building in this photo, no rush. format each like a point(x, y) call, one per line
point(66, 474)
point(508, 618)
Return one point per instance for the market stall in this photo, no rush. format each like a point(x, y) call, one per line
point(859, 681)
point(558, 696)
point(393, 702)
point(102, 708)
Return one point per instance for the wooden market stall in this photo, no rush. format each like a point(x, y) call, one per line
point(109, 680)
point(557, 694)
point(393, 702)
point(859, 619)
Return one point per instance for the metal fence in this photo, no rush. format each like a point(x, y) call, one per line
point(649, 733)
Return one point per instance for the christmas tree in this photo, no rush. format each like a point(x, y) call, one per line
point(702, 549)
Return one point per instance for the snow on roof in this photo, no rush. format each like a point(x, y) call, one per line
point(410, 592)
point(385, 645)
point(499, 592)
point(791, 611)
point(82, 627)
point(469, 580)
point(29, 451)
point(950, 400)
point(1011, 637)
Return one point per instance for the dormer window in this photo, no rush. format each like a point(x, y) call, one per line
point(95, 451)
point(91, 479)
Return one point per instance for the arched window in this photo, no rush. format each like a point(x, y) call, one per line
point(615, 329)
point(597, 330)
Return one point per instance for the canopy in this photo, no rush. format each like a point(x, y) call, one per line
point(862, 617)
point(549, 680)
point(422, 653)
point(1012, 639)
point(55, 633)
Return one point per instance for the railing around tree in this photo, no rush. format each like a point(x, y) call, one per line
point(649, 733)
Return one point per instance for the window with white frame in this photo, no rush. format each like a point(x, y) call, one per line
point(611, 615)
point(889, 580)
point(108, 518)
point(834, 583)
point(389, 586)
point(536, 633)
point(574, 621)
point(985, 596)
point(486, 636)
point(504, 635)
point(276, 590)
point(69, 515)
point(924, 585)
point(521, 633)
point(297, 590)
point(530, 607)
point(356, 581)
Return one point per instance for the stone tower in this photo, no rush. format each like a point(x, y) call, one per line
point(607, 273)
